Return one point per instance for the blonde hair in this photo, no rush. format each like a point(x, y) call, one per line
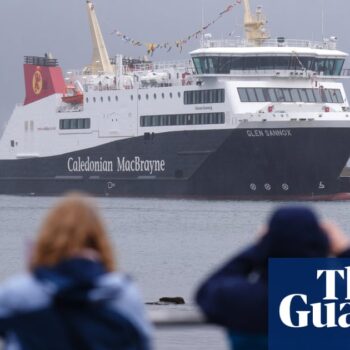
point(72, 226)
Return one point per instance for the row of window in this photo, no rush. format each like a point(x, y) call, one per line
point(224, 65)
point(183, 119)
point(81, 123)
point(204, 96)
point(290, 95)
point(147, 96)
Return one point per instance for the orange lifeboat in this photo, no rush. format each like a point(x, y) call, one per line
point(73, 96)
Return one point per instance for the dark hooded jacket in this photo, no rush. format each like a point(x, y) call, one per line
point(75, 305)
point(236, 296)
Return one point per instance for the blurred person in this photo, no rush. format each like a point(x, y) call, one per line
point(72, 297)
point(236, 296)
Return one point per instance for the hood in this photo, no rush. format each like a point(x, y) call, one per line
point(72, 279)
point(295, 232)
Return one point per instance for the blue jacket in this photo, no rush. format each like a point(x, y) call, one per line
point(75, 305)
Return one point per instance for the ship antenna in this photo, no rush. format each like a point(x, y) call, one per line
point(255, 26)
point(100, 59)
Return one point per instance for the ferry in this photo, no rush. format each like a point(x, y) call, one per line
point(252, 118)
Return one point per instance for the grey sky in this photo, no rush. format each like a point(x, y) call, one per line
point(38, 26)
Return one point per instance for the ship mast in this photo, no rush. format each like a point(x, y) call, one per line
point(100, 59)
point(255, 30)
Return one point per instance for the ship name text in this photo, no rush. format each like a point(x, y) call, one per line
point(121, 164)
point(269, 133)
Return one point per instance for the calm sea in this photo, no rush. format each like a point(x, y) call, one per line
point(168, 246)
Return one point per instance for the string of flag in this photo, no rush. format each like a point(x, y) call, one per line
point(168, 46)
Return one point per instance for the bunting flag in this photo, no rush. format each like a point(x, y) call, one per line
point(152, 47)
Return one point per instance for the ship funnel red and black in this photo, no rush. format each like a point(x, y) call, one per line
point(43, 78)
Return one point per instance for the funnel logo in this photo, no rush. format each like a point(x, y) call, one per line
point(37, 82)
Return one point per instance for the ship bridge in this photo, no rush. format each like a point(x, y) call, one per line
point(227, 57)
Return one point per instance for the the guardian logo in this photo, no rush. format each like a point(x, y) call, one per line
point(309, 304)
point(331, 312)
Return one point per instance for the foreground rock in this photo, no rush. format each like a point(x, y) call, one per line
point(168, 301)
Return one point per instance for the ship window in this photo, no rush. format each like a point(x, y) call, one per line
point(73, 124)
point(290, 95)
point(116, 98)
point(101, 98)
point(179, 94)
point(155, 96)
point(287, 95)
point(279, 95)
point(303, 95)
point(80, 124)
point(310, 95)
point(251, 95)
point(182, 119)
point(171, 95)
point(318, 96)
point(163, 95)
point(12, 143)
point(109, 98)
point(139, 97)
point(94, 99)
point(147, 97)
point(87, 100)
point(339, 96)
point(203, 96)
point(273, 97)
point(260, 95)
point(26, 125)
point(224, 65)
point(132, 97)
point(243, 95)
point(295, 95)
point(338, 66)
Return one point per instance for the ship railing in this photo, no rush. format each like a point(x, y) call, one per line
point(279, 42)
point(158, 66)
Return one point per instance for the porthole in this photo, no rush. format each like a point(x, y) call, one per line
point(179, 94)
point(147, 97)
point(94, 99)
point(116, 98)
point(139, 97)
point(87, 100)
point(171, 95)
point(101, 99)
point(163, 95)
point(155, 96)
point(132, 97)
point(109, 98)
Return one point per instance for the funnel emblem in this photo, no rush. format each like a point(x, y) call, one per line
point(37, 82)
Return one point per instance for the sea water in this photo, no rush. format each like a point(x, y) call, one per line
point(168, 246)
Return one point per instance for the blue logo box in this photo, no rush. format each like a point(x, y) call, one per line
point(309, 304)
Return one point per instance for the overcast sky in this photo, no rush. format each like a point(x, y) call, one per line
point(33, 27)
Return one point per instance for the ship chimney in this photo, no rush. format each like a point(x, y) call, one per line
point(100, 59)
point(43, 77)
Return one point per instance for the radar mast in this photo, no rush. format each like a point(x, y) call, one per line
point(254, 25)
point(100, 59)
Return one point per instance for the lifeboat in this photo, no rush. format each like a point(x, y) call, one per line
point(74, 99)
point(73, 95)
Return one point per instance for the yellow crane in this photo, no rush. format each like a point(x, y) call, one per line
point(254, 25)
point(100, 60)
